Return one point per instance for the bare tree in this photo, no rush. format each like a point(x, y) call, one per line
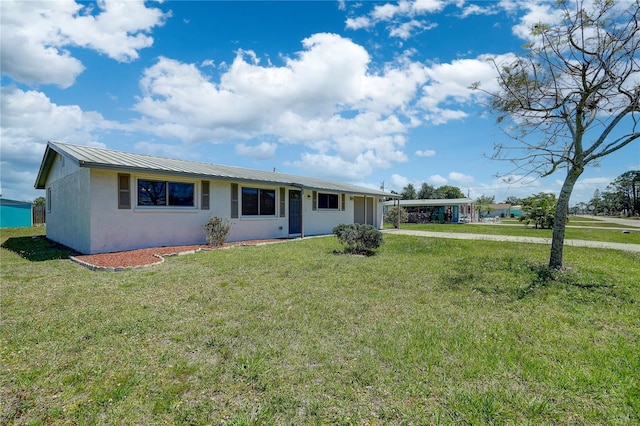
point(573, 98)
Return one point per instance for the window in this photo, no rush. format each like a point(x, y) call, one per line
point(48, 200)
point(258, 202)
point(204, 202)
point(327, 201)
point(124, 191)
point(161, 193)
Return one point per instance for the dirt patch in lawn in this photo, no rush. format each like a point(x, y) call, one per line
point(152, 256)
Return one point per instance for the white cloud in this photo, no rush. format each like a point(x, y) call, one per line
point(475, 9)
point(36, 35)
point(23, 142)
point(428, 6)
point(426, 153)
point(325, 98)
point(263, 150)
point(460, 178)
point(403, 19)
point(166, 150)
point(406, 30)
point(536, 13)
point(361, 22)
point(398, 182)
point(437, 180)
point(449, 83)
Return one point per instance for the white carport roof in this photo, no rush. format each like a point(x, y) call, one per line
point(429, 202)
point(100, 158)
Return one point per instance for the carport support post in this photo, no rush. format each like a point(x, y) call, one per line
point(398, 216)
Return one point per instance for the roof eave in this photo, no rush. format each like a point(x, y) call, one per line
point(45, 167)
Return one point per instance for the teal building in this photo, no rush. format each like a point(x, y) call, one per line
point(14, 214)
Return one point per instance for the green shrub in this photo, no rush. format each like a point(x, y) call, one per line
point(216, 230)
point(358, 238)
point(392, 215)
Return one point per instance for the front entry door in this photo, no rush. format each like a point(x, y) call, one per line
point(295, 212)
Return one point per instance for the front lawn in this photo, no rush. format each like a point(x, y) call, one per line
point(428, 331)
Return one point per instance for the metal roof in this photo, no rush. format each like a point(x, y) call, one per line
point(100, 158)
point(431, 202)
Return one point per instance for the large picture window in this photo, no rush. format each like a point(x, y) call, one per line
point(327, 201)
point(162, 193)
point(258, 202)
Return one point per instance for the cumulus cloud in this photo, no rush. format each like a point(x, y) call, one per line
point(437, 180)
point(23, 143)
point(449, 83)
point(36, 36)
point(166, 150)
point(361, 22)
point(325, 97)
point(536, 13)
point(460, 178)
point(398, 181)
point(263, 150)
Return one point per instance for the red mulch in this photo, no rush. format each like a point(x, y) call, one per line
point(150, 256)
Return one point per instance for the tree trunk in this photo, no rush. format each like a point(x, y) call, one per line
point(560, 218)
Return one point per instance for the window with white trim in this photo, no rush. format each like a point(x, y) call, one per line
point(165, 193)
point(327, 201)
point(258, 202)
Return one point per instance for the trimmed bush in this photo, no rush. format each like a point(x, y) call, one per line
point(392, 216)
point(358, 238)
point(216, 230)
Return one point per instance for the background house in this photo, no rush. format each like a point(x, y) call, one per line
point(14, 214)
point(99, 200)
point(457, 210)
point(504, 210)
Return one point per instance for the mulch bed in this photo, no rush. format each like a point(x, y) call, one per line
point(150, 256)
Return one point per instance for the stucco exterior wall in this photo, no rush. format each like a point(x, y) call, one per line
point(114, 229)
point(322, 222)
point(68, 193)
point(86, 217)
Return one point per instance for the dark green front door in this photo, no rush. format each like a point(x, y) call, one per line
point(295, 212)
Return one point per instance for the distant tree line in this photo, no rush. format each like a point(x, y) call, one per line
point(621, 198)
point(429, 192)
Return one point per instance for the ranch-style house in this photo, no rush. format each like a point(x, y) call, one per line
point(99, 200)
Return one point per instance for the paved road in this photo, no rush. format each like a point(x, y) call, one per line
point(532, 240)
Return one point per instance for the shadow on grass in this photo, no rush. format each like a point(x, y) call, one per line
point(38, 248)
point(545, 276)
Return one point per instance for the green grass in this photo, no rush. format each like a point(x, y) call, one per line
point(589, 234)
point(428, 331)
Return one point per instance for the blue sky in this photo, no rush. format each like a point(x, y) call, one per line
point(358, 91)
